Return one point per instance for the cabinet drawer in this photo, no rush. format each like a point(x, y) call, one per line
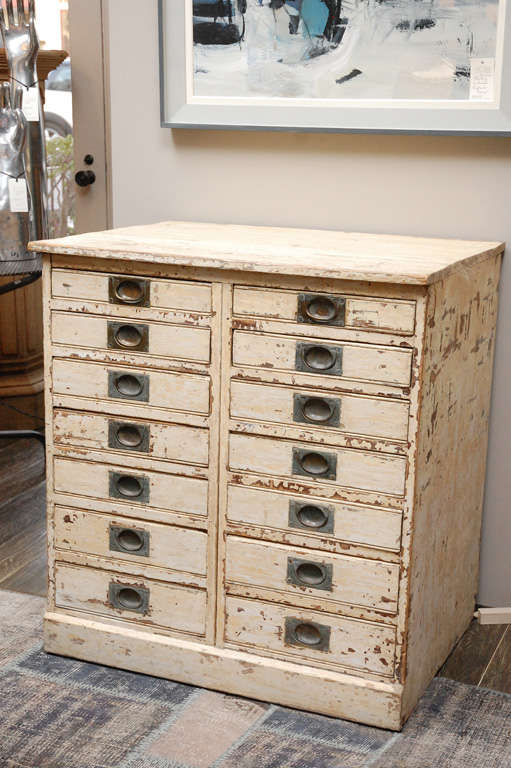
point(131, 291)
point(131, 598)
point(152, 439)
point(310, 636)
point(175, 391)
point(134, 541)
point(387, 365)
point(341, 578)
point(326, 309)
point(351, 468)
point(152, 489)
point(156, 339)
point(353, 414)
point(324, 520)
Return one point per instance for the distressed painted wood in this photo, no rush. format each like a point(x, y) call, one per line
point(352, 579)
point(381, 364)
point(163, 340)
point(165, 491)
point(173, 442)
point(352, 643)
point(371, 417)
point(165, 390)
point(355, 469)
point(169, 605)
point(450, 470)
point(372, 526)
point(360, 312)
point(161, 294)
point(176, 549)
point(398, 557)
point(304, 252)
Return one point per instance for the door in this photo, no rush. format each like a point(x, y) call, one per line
point(87, 33)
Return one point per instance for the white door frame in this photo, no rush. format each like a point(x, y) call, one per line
point(88, 32)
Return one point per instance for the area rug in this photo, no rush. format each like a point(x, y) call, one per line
point(61, 713)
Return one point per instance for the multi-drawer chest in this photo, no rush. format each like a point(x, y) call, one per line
point(266, 457)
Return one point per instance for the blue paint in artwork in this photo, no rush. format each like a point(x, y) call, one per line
point(314, 17)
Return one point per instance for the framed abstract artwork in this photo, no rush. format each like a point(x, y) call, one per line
point(387, 66)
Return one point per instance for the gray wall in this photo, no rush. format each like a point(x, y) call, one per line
point(432, 186)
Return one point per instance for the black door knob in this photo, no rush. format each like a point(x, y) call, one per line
point(85, 178)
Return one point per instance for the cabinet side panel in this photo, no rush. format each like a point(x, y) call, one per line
point(451, 462)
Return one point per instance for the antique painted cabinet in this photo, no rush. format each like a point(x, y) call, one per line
point(266, 457)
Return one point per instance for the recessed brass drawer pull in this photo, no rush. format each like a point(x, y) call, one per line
point(125, 597)
point(320, 309)
point(135, 488)
point(325, 359)
point(126, 436)
point(317, 410)
point(307, 634)
point(128, 386)
point(306, 573)
point(127, 336)
point(128, 290)
point(312, 517)
point(314, 464)
point(131, 541)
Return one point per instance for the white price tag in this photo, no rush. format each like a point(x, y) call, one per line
point(482, 79)
point(18, 195)
point(31, 103)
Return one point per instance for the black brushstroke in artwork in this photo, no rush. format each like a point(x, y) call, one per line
point(215, 33)
point(352, 74)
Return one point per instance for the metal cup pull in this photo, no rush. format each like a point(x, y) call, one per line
point(126, 436)
point(321, 309)
point(314, 464)
point(131, 487)
point(325, 359)
point(128, 597)
point(307, 634)
point(131, 541)
point(307, 573)
point(128, 386)
point(313, 517)
point(128, 336)
point(324, 411)
point(129, 290)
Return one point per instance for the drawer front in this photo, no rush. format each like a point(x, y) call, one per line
point(131, 598)
point(310, 636)
point(178, 549)
point(175, 391)
point(350, 468)
point(327, 309)
point(152, 439)
point(157, 339)
point(131, 291)
point(372, 417)
point(352, 361)
point(374, 527)
point(341, 578)
point(154, 489)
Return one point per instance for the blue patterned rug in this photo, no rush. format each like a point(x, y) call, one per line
point(60, 713)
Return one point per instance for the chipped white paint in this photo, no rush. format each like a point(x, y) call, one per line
point(221, 375)
point(361, 312)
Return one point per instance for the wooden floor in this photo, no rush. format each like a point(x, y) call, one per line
point(482, 657)
point(22, 517)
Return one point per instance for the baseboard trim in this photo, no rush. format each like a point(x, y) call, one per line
point(279, 682)
point(494, 615)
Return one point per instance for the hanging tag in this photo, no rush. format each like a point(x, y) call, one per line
point(482, 79)
point(31, 103)
point(18, 195)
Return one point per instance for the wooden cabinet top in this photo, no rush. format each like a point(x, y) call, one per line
point(306, 252)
